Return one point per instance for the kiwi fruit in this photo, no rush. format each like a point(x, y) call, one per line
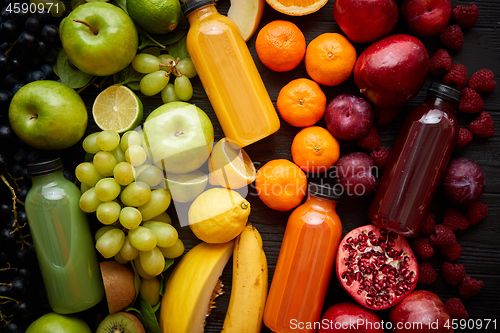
point(121, 322)
point(119, 285)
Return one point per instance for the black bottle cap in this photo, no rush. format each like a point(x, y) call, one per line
point(191, 5)
point(44, 167)
point(324, 191)
point(445, 92)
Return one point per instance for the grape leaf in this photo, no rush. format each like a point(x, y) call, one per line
point(150, 320)
point(122, 4)
point(179, 49)
point(69, 75)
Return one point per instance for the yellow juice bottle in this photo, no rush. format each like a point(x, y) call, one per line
point(228, 74)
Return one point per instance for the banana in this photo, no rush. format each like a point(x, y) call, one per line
point(249, 286)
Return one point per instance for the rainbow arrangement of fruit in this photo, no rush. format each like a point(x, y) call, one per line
point(134, 170)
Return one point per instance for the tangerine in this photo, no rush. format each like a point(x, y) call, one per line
point(297, 7)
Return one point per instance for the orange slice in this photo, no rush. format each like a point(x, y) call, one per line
point(297, 7)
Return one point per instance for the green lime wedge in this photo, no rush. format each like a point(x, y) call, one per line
point(186, 187)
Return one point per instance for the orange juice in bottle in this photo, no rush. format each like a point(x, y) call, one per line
point(228, 74)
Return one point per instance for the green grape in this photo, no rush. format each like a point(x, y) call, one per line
point(107, 140)
point(107, 189)
point(102, 231)
point(174, 251)
point(104, 162)
point(152, 261)
point(166, 59)
point(87, 174)
point(108, 212)
point(183, 88)
point(135, 155)
point(89, 201)
point(168, 94)
point(166, 235)
point(110, 243)
point(84, 188)
point(157, 204)
point(186, 67)
point(163, 217)
point(130, 217)
point(150, 290)
point(135, 194)
point(140, 270)
point(130, 138)
point(145, 63)
point(128, 252)
point(119, 259)
point(124, 173)
point(142, 239)
point(153, 83)
point(119, 154)
point(150, 174)
point(90, 144)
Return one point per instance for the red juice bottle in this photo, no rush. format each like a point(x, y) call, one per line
point(417, 163)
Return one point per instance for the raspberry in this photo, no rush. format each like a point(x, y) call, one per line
point(379, 157)
point(426, 273)
point(452, 252)
point(464, 137)
point(453, 273)
point(455, 220)
point(456, 77)
point(422, 248)
point(470, 287)
point(386, 115)
point(442, 236)
point(471, 101)
point(465, 15)
point(440, 62)
point(429, 225)
point(371, 140)
point(482, 80)
point(456, 308)
point(452, 37)
point(482, 126)
point(476, 212)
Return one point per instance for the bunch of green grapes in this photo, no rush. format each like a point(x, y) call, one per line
point(158, 71)
point(129, 196)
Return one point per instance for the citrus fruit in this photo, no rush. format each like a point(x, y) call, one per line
point(280, 45)
point(186, 187)
point(315, 149)
point(281, 184)
point(117, 108)
point(296, 8)
point(301, 102)
point(218, 215)
point(330, 59)
point(155, 16)
point(230, 166)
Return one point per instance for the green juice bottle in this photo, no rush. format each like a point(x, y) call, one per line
point(62, 239)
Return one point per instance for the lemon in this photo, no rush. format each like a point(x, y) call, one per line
point(186, 187)
point(218, 215)
point(117, 108)
point(230, 166)
point(155, 16)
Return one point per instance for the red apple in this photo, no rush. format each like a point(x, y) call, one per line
point(391, 71)
point(348, 117)
point(426, 17)
point(350, 317)
point(364, 21)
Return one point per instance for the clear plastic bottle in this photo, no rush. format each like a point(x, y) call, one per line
point(416, 163)
point(62, 239)
point(228, 74)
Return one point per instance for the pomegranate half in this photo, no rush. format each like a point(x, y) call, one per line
point(376, 267)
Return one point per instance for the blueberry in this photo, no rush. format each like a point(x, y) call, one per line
point(17, 87)
point(35, 76)
point(47, 69)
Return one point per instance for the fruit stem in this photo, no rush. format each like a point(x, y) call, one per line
point(94, 31)
point(244, 205)
point(180, 133)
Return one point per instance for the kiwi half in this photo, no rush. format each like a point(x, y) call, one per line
point(121, 322)
point(119, 285)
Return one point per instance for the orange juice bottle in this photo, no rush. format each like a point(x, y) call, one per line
point(228, 74)
point(305, 263)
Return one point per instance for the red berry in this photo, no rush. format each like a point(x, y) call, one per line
point(429, 225)
point(465, 15)
point(482, 126)
point(453, 273)
point(482, 80)
point(471, 101)
point(386, 115)
point(452, 252)
point(456, 308)
point(476, 212)
point(371, 140)
point(452, 37)
point(440, 62)
point(422, 248)
point(464, 137)
point(470, 287)
point(456, 77)
point(442, 236)
point(379, 157)
point(426, 273)
point(455, 220)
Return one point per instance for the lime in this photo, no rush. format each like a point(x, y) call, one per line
point(186, 187)
point(155, 16)
point(117, 108)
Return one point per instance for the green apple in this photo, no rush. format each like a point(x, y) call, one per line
point(178, 137)
point(99, 38)
point(48, 115)
point(56, 323)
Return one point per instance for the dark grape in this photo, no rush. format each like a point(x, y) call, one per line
point(5, 63)
point(10, 80)
point(23, 191)
point(4, 290)
point(21, 310)
point(4, 14)
point(16, 170)
point(51, 56)
point(5, 209)
point(11, 328)
point(41, 48)
point(21, 16)
point(17, 87)
point(18, 286)
point(6, 132)
point(3, 162)
point(43, 16)
point(49, 33)
point(5, 97)
point(33, 156)
point(26, 40)
point(4, 46)
point(68, 175)
point(17, 66)
point(21, 217)
point(32, 25)
point(35, 76)
point(8, 235)
point(8, 31)
point(47, 69)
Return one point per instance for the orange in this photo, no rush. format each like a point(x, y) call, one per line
point(281, 184)
point(315, 149)
point(280, 45)
point(330, 59)
point(297, 7)
point(301, 102)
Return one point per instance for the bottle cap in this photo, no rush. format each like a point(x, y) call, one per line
point(44, 167)
point(325, 191)
point(190, 5)
point(445, 92)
